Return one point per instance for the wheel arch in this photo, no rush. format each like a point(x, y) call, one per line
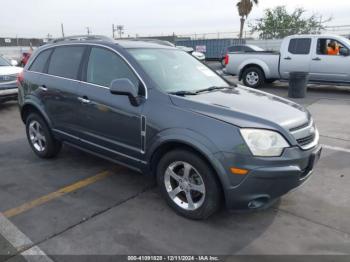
point(160, 148)
point(262, 67)
point(31, 107)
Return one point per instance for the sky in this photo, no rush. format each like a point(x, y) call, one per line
point(38, 18)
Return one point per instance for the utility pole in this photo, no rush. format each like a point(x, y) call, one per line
point(120, 29)
point(113, 30)
point(88, 30)
point(62, 29)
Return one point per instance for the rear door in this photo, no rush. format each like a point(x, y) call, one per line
point(61, 89)
point(34, 73)
point(296, 56)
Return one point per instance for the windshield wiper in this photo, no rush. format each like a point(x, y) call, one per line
point(213, 88)
point(183, 93)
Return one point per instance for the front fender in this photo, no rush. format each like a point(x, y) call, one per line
point(192, 139)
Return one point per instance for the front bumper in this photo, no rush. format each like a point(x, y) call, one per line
point(8, 92)
point(271, 178)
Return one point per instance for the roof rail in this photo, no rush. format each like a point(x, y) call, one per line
point(154, 40)
point(82, 38)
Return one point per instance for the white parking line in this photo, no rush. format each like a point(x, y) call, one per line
point(21, 242)
point(335, 148)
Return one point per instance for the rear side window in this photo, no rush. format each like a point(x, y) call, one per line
point(299, 46)
point(40, 61)
point(235, 49)
point(105, 66)
point(65, 61)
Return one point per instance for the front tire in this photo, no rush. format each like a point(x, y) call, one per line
point(40, 137)
point(188, 184)
point(253, 77)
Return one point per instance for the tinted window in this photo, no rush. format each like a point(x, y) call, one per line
point(65, 61)
point(299, 46)
point(235, 49)
point(40, 61)
point(105, 66)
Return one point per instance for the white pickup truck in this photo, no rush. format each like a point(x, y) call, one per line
point(298, 53)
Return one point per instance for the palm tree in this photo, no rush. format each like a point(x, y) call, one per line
point(244, 8)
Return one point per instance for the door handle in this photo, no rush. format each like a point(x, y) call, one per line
point(84, 100)
point(287, 58)
point(43, 88)
point(316, 59)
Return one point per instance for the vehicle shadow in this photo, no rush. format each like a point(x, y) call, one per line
point(7, 106)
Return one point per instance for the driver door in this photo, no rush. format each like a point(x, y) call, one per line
point(110, 123)
point(330, 68)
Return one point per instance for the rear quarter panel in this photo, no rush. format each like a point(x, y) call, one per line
point(269, 63)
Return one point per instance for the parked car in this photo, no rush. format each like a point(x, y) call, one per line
point(306, 53)
point(200, 56)
point(161, 112)
point(8, 76)
point(239, 48)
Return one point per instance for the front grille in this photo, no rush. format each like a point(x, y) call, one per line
point(300, 127)
point(7, 78)
point(306, 140)
point(306, 135)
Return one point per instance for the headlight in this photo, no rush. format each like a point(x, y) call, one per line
point(264, 143)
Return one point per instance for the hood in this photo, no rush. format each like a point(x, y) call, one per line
point(10, 70)
point(246, 107)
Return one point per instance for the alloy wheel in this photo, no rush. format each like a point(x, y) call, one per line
point(37, 136)
point(185, 185)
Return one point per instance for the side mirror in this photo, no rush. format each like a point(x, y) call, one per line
point(14, 62)
point(125, 87)
point(344, 51)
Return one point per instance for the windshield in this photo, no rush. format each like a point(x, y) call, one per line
point(4, 62)
point(175, 70)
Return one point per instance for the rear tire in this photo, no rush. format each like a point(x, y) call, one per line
point(253, 77)
point(188, 184)
point(40, 137)
point(223, 62)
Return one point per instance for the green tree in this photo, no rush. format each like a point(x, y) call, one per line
point(278, 23)
point(244, 8)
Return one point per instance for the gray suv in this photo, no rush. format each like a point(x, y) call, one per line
point(159, 111)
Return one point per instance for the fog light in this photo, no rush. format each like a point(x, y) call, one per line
point(239, 171)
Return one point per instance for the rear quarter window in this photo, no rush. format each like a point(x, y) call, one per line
point(40, 61)
point(65, 61)
point(235, 49)
point(300, 46)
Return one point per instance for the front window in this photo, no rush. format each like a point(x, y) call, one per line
point(4, 62)
point(175, 71)
point(329, 46)
point(105, 66)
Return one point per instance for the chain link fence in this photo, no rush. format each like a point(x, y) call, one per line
point(343, 30)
